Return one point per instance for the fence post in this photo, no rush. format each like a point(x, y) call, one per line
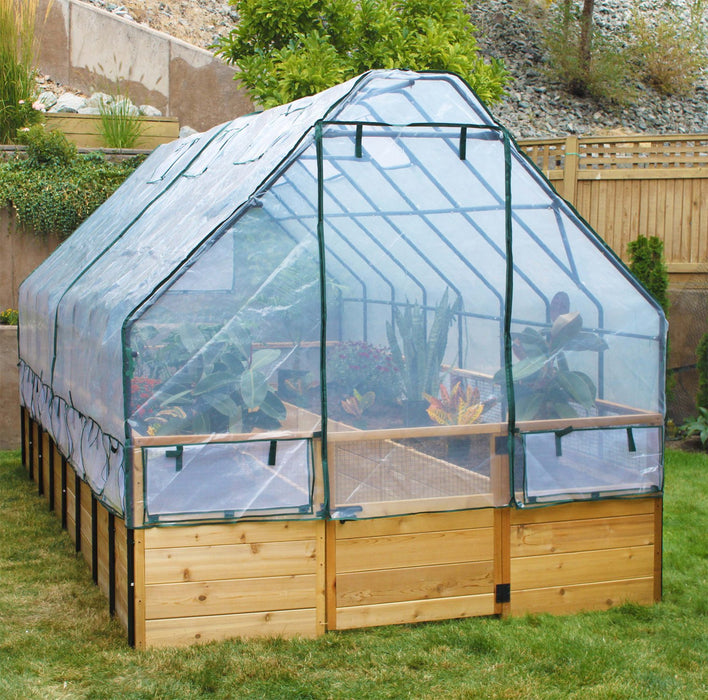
point(570, 170)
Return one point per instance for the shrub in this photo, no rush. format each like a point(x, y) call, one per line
point(648, 266)
point(46, 147)
point(289, 50)
point(669, 51)
point(54, 189)
point(599, 70)
point(9, 317)
point(702, 365)
point(17, 73)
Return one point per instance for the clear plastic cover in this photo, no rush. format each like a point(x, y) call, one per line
point(587, 464)
point(464, 302)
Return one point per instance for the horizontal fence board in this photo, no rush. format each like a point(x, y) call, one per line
point(171, 600)
point(579, 535)
point(581, 567)
point(228, 533)
point(229, 561)
point(422, 549)
point(627, 186)
point(417, 583)
point(562, 600)
point(414, 611)
point(181, 631)
point(424, 522)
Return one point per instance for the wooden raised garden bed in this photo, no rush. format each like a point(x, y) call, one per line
point(199, 582)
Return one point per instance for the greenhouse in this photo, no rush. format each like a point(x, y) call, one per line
point(350, 361)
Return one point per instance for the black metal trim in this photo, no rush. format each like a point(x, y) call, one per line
point(94, 538)
point(111, 563)
point(77, 511)
point(31, 449)
point(63, 493)
point(131, 585)
point(23, 436)
point(502, 593)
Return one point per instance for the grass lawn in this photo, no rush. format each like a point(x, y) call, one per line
point(57, 640)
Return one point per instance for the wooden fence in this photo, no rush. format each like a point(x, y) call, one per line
point(627, 186)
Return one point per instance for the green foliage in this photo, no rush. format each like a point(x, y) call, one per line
point(17, 72)
point(702, 365)
point(59, 641)
point(360, 366)
point(46, 147)
point(698, 426)
point(121, 125)
point(600, 70)
point(214, 383)
point(647, 263)
point(287, 50)
point(53, 190)
point(419, 357)
point(544, 385)
point(9, 317)
point(669, 51)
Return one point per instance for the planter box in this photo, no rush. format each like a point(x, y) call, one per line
point(201, 582)
point(9, 391)
point(84, 130)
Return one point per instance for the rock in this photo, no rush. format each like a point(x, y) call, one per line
point(98, 99)
point(47, 98)
point(68, 102)
point(90, 110)
point(149, 111)
point(186, 131)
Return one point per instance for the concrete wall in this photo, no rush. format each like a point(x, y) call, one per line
point(9, 390)
point(89, 49)
point(20, 253)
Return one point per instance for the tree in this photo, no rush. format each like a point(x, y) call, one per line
point(286, 49)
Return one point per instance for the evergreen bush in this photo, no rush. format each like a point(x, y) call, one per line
point(702, 365)
point(647, 263)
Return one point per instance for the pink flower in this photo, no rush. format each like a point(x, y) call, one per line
point(39, 106)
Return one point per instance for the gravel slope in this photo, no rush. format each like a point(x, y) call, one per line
point(534, 106)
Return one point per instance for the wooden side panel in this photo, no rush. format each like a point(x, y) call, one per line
point(71, 505)
point(57, 482)
point(414, 568)
point(121, 543)
point(241, 579)
point(583, 556)
point(86, 529)
point(182, 631)
point(103, 579)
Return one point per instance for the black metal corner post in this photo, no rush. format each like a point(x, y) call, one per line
point(30, 445)
point(40, 460)
point(94, 537)
point(63, 492)
point(509, 296)
point(23, 436)
point(77, 511)
point(51, 466)
point(131, 585)
point(111, 564)
point(323, 316)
